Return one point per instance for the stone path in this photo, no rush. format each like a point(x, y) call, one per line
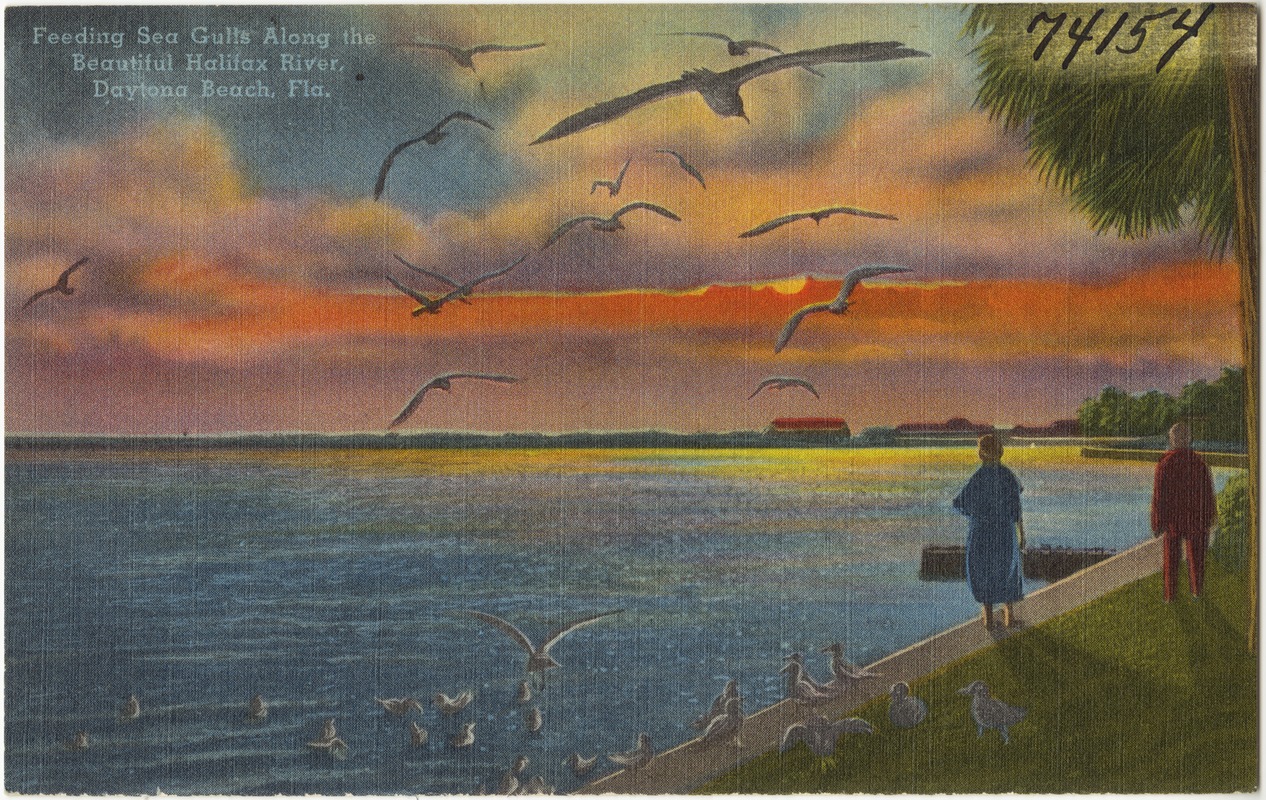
point(685, 767)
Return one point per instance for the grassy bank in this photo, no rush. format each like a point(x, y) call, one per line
point(1124, 695)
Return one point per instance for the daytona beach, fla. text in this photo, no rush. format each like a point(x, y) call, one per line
point(138, 91)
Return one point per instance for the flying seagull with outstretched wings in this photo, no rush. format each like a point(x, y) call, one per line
point(433, 136)
point(840, 304)
point(61, 287)
point(816, 215)
point(608, 224)
point(720, 90)
point(444, 382)
point(465, 56)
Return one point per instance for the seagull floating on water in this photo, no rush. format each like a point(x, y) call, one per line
point(989, 712)
point(444, 382)
point(463, 738)
point(131, 708)
point(398, 706)
point(840, 304)
point(581, 766)
point(509, 783)
point(638, 757)
point(433, 136)
point(61, 287)
point(607, 224)
point(720, 90)
point(539, 658)
point(779, 382)
point(613, 187)
point(79, 742)
point(684, 164)
point(451, 705)
point(817, 216)
point(258, 708)
point(532, 720)
point(905, 710)
point(520, 763)
point(417, 734)
point(465, 56)
point(524, 693)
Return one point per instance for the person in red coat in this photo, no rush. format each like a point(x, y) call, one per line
point(1183, 509)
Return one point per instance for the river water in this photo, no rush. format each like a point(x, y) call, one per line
point(321, 580)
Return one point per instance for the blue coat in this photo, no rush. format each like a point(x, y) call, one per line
point(991, 503)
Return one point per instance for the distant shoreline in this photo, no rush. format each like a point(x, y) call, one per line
point(1137, 449)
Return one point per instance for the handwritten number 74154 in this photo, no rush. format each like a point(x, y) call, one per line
point(1081, 32)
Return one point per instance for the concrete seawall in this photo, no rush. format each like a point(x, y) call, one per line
point(686, 767)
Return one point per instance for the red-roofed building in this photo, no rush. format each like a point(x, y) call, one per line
point(815, 428)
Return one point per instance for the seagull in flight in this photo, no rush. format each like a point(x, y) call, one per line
point(539, 658)
point(465, 56)
point(821, 735)
point(779, 382)
point(445, 383)
point(460, 291)
point(433, 136)
point(840, 304)
point(720, 90)
point(611, 223)
point(613, 187)
point(681, 160)
point(63, 284)
point(817, 216)
point(739, 48)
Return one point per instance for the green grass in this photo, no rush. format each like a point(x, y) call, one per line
point(1124, 695)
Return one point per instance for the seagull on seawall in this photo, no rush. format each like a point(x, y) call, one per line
point(613, 187)
point(465, 56)
point(684, 164)
point(718, 705)
point(432, 136)
point(817, 216)
point(843, 673)
point(720, 90)
point(62, 286)
point(802, 689)
point(840, 304)
point(445, 382)
point(779, 382)
point(607, 224)
point(727, 725)
point(638, 757)
point(539, 658)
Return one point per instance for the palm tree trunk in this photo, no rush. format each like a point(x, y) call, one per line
point(1243, 94)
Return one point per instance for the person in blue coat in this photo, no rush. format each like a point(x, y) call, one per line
point(995, 532)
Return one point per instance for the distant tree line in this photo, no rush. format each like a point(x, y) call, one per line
point(1214, 410)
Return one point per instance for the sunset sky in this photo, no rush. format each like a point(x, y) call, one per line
point(235, 280)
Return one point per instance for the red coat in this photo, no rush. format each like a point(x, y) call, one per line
point(1183, 503)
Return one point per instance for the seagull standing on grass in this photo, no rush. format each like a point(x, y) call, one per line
point(821, 735)
point(989, 712)
point(905, 710)
point(840, 304)
point(444, 383)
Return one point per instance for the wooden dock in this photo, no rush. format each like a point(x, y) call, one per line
point(945, 562)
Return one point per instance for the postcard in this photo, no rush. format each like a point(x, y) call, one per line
point(637, 399)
